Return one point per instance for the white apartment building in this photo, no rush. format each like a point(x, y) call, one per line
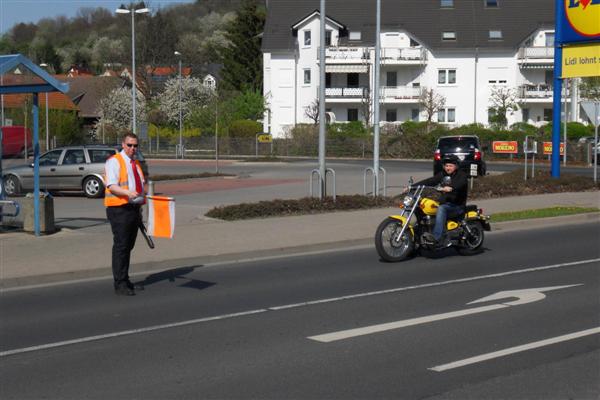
point(462, 49)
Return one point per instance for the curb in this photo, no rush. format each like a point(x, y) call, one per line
point(257, 255)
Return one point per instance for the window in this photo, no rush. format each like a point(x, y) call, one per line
point(328, 38)
point(353, 114)
point(354, 35)
point(446, 3)
point(447, 115)
point(549, 77)
point(446, 76)
point(491, 3)
point(495, 35)
point(307, 38)
point(416, 84)
point(391, 115)
point(414, 114)
point(307, 76)
point(352, 80)
point(448, 36)
point(525, 112)
point(547, 114)
point(497, 81)
point(73, 157)
point(391, 78)
point(414, 43)
point(328, 79)
point(100, 156)
point(550, 39)
point(50, 158)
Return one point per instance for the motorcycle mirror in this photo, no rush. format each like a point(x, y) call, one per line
point(410, 181)
point(446, 181)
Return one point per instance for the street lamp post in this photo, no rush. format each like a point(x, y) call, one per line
point(44, 65)
point(178, 54)
point(133, 11)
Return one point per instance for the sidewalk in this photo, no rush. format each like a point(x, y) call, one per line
point(79, 254)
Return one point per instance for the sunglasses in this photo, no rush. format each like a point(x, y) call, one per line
point(131, 145)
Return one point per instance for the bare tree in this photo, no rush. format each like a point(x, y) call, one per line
point(590, 88)
point(431, 102)
point(311, 111)
point(502, 101)
point(366, 107)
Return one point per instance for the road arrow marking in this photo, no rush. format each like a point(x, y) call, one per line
point(524, 295)
point(516, 349)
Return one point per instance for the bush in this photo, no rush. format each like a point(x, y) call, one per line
point(354, 129)
point(244, 129)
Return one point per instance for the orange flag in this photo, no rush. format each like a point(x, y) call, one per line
point(161, 216)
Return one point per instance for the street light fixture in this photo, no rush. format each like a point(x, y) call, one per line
point(44, 65)
point(133, 11)
point(178, 54)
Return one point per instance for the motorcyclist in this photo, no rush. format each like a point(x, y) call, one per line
point(453, 199)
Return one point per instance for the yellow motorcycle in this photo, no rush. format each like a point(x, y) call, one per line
point(400, 236)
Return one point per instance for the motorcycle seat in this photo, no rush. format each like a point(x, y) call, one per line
point(470, 207)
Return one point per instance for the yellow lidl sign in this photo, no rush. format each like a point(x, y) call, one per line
point(266, 138)
point(584, 16)
point(581, 60)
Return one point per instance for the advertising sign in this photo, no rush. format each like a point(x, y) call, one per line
point(505, 147)
point(265, 138)
point(548, 148)
point(581, 60)
point(579, 21)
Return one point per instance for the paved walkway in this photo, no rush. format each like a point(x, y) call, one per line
point(77, 254)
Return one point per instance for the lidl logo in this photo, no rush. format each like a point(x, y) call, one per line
point(584, 16)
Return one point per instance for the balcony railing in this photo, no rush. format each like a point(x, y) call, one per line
point(399, 55)
point(346, 92)
point(345, 54)
point(541, 91)
point(400, 92)
point(529, 53)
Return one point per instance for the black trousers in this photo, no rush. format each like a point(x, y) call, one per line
point(124, 222)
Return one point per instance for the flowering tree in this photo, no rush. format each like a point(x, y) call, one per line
point(116, 109)
point(193, 95)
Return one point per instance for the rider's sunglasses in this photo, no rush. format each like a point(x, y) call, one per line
point(131, 145)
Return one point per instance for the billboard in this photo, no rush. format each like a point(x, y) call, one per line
point(578, 21)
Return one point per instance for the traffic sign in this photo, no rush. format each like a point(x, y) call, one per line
point(264, 138)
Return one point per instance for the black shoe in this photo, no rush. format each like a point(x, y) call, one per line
point(135, 286)
point(124, 291)
point(429, 237)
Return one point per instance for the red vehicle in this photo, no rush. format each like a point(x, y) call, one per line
point(16, 141)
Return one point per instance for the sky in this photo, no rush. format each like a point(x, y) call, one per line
point(15, 11)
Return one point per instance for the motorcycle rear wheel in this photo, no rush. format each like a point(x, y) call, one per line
point(385, 241)
point(474, 240)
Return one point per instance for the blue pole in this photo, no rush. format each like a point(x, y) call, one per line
point(36, 166)
point(555, 167)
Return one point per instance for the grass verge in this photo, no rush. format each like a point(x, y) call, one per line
point(541, 213)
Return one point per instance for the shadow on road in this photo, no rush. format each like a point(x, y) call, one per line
point(172, 275)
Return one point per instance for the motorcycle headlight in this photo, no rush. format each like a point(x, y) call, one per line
point(408, 201)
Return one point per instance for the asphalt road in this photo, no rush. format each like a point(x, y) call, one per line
point(285, 328)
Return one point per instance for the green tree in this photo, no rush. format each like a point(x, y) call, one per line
point(242, 59)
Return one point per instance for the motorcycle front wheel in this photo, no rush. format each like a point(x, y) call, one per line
point(473, 239)
point(388, 247)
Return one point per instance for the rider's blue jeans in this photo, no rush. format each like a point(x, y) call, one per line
point(442, 216)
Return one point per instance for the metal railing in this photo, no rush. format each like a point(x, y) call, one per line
point(358, 92)
point(536, 53)
point(400, 92)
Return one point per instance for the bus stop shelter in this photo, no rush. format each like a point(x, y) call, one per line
point(18, 74)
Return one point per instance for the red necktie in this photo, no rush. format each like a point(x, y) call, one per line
point(136, 176)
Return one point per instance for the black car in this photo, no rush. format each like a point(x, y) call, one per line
point(468, 150)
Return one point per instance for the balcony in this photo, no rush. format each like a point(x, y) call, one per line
point(346, 92)
point(403, 55)
point(346, 55)
point(532, 93)
point(401, 94)
point(536, 57)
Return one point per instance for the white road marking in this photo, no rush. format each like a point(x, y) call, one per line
point(513, 350)
point(524, 296)
point(288, 306)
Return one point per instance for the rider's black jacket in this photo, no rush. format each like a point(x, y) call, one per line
point(459, 184)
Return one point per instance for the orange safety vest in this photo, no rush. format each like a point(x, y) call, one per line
point(112, 200)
